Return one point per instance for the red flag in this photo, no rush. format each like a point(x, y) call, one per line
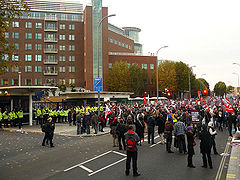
point(145, 100)
point(205, 106)
point(227, 104)
point(107, 112)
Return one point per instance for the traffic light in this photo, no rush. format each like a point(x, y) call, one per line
point(205, 91)
point(169, 94)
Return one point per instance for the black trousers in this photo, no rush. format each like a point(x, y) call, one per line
point(121, 138)
point(168, 142)
point(131, 155)
point(150, 134)
point(190, 159)
point(207, 157)
point(19, 123)
point(214, 145)
point(181, 143)
point(230, 129)
point(48, 137)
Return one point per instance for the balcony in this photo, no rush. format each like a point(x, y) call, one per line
point(50, 40)
point(50, 18)
point(50, 73)
point(50, 50)
point(50, 61)
point(50, 29)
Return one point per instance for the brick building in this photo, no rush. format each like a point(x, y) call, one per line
point(56, 44)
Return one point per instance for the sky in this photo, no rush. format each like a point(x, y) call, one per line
point(205, 33)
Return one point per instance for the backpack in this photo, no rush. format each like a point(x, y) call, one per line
point(168, 126)
point(130, 142)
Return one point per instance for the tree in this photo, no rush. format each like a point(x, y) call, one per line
point(9, 10)
point(206, 84)
point(230, 89)
point(73, 86)
point(220, 88)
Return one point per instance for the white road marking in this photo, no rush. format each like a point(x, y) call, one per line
point(155, 144)
point(87, 161)
point(107, 166)
point(119, 153)
point(86, 169)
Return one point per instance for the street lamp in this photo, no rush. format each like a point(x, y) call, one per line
point(111, 15)
point(190, 81)
point(238, 77)
point(157, 67)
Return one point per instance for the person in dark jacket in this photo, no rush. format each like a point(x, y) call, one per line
point(120, 131)
point(151, 124)
point(140, 126)
point(160, 122)
point(205, 147)
point(168, 135)
point(230, 119)
point(48, 129)
point(132, 152)
point(190, 145)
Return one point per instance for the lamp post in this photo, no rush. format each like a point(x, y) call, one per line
point(99, 24)
point(157, 67)
point(238, 77)
point(190, 81)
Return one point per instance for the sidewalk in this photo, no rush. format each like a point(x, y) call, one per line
point(234, 163)
point(60, 129)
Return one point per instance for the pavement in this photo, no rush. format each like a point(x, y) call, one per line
point(60, 129)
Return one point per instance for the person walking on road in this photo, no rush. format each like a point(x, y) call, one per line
point(161, 126)
point(179, 132)
point(140, 126)
point(168, 135)
point(48, 129)
point(132, 152)
point(120, 131)
point(151, 125)
point(190, 144)
point(213, 133)
point(78, 119)
point(205, 147)
point(95, 122)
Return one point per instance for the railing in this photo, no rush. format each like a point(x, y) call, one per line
point(50, 50)
point(50, 73)
point(50, 39)
point(50, 61)
point(50, 29)
point(51, 18)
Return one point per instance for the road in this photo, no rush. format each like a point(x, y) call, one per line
point(23, 157)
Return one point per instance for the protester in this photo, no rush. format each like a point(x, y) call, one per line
point(190, 145)
point(120, 131)
point(48, 129)
point(179, 132)
point(140, 126)
point(168, 135)
point(213, 133)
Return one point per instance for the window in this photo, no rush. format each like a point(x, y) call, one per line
point(50, 58)
point(144, 66)
point(38, 47)
point(38, 57)
point(71, 37)
point(110, 40)
point(62, 81)
point(38, 68)
point(28, 46)
point(28, 68)
point(71, 58)
point(28, 35)
point(71, 47)
point(123, 45)
point(50, 81)
point(115, 41)
point(130, 47)
point(71, 68)
point(16, 46)
point(62, 58)
point(5, 57)
point(15, 57)
point(50, 26)
point(28, 82)
point(126, 45)
point(119, 43)
point(15, 82)
point(15, 68)
point(71, 81)
point(38, 25)
point(38, 82)
point(62, 47)
point(62, 26)
point(6, 34)
point(28, 25)
point(28, 57)
point(71, 26)
point(4, 81)
point(62, 69)
point(15, 24)
point(151, 66)
point(110, 65)
point(62, 37)
point(38, 36)
point(15, 35)
point(129, 65)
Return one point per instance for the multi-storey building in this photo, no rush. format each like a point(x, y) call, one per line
point(56, 44)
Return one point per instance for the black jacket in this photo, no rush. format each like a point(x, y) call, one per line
point(206, 142)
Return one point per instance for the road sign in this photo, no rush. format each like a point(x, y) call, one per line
point(98, 85)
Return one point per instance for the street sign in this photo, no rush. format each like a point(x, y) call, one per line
point(98, 85)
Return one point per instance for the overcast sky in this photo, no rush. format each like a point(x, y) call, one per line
point(203, 33)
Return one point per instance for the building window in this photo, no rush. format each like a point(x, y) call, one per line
point(28, 68)
point(28, 46)
point(50, 58)
point(144, 66)
point(38, 57)
point(38, 82)
point(28, 25)
point(119, 43)
point(130, 47)
point(28, 82)
point(38, 68)
point(15, 82)
point(15, 68)
point(16, 46)
point(4, 81)
point(50, 81)
point(62, 37)
point(71, 58)
point(151, 66)
point(38, 36)
point(6, 34)
point(28, 35)
point(62, 81)
point(62, 26)
point(123, 45)
point(126, 45)
point(15, 24)
point(71, 47)
point(110, 65)
point(71, 81)
point(62, 69)
point(38, 47)
point(115, 41)
point(5, 57)
point(38, 25)
point(62, 47)
point(110, 40)
point(71, 37)
point(15, 57)
point(129, 65)
point(71, 26)
point(71, 69)
point(62, 58)
point(15, 35)
point(28, 57)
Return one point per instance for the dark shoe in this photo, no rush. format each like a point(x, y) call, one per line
point(170, 151)
point(153, 143)
point(137, 174)
point(120, 149)
point(204, 166)
point(127, 173)
point(43, 144)
point(52, 146)
point(216, 153)
point(210, 167)
point(192, 166)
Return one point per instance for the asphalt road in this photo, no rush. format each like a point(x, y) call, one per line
point(23, 157)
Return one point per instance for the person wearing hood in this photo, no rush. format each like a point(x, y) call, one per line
point(131, 139)
point(213, 133)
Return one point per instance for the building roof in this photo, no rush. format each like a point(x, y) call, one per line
point(132, 29)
